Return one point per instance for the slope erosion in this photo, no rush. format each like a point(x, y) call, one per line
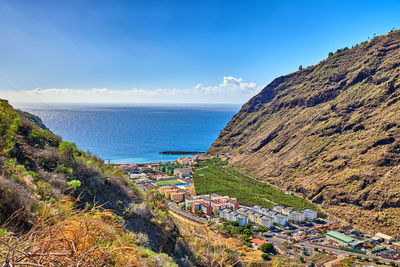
point(330, 132)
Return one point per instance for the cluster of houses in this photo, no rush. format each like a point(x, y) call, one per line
point(266, 217)
point(211, 204)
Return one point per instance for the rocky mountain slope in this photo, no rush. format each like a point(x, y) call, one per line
point(330, 132)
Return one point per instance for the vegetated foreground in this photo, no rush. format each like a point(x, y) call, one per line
point(330, 132)
point(41, 223)
point(214, 176)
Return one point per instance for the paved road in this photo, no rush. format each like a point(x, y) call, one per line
point(188, 215)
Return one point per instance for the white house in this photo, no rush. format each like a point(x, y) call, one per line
point(310, 214)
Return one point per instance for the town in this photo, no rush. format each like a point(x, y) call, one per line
point(298, 233)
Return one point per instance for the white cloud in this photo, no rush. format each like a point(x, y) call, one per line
point(231, 90)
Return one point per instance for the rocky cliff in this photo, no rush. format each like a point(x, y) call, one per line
point(330, 132)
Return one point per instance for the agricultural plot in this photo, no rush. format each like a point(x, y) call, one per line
point(213, 176)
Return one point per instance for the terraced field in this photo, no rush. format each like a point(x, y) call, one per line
point(214, 176)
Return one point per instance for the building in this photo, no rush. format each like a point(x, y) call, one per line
point(242, 210)
point(241, 219)
point(281, 219)
point(296, 216)
point(205, 208)
point(279, 208)
point(286, 211)
point(256, 208)
point(177, 196)
point(264, 211)
point(340, 238)
point(309, 214)
point(257, 242)
point(266, 221)
point(182, 172)
point(385, 238)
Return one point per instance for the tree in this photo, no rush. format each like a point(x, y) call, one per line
point(267, 248)
point(392, 263)
point(247, 232)
point(301, 258)
point(375, 259)
point(301, 67)
point(315, 248)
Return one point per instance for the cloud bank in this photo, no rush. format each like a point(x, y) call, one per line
point(231, 90)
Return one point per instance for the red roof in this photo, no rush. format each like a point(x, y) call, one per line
point(258, 241)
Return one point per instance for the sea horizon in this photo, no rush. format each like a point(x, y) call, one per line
point(122, 133)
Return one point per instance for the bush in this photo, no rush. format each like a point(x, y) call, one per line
point(265, 257)
point(68, 149)
point(267, 248)
point(375, 259)
point(74, 184)
point(301, 258)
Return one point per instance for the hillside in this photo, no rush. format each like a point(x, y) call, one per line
point(330, 132)
point(60, 206)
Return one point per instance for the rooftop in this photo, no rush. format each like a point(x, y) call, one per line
point(340, 236)
point(258, 241)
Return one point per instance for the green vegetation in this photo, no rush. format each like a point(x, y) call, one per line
point(213, 176)
point(353, 250)
point(168, 182)
point(267, 248)
point(74, 184)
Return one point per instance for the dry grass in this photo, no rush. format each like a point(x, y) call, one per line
point(67, 237)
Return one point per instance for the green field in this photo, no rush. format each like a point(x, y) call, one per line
point(213, 176)
point(169, 182)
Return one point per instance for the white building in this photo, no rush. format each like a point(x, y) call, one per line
point(281, 219)
point(182, 172)
point(286, 211)
point(256, 208)
point(310, 214)
point(279, 208)
point(267, 221)
point(296, 216)
point(264, 210)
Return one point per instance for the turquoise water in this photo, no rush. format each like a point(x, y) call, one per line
point(136, 134)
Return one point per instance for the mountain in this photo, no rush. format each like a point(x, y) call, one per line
point(329, 132)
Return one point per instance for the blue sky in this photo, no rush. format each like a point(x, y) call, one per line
point(166, 51)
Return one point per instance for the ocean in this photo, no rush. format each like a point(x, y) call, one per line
point(135, 133)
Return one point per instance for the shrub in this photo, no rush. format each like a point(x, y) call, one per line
point(265, 256)
point(267, 248)
point(74, 184)
point(301, 258)
point(68, 149)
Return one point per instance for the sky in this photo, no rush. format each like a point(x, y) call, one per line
point(186, 51)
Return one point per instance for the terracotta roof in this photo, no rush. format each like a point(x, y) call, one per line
point(258, 241)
